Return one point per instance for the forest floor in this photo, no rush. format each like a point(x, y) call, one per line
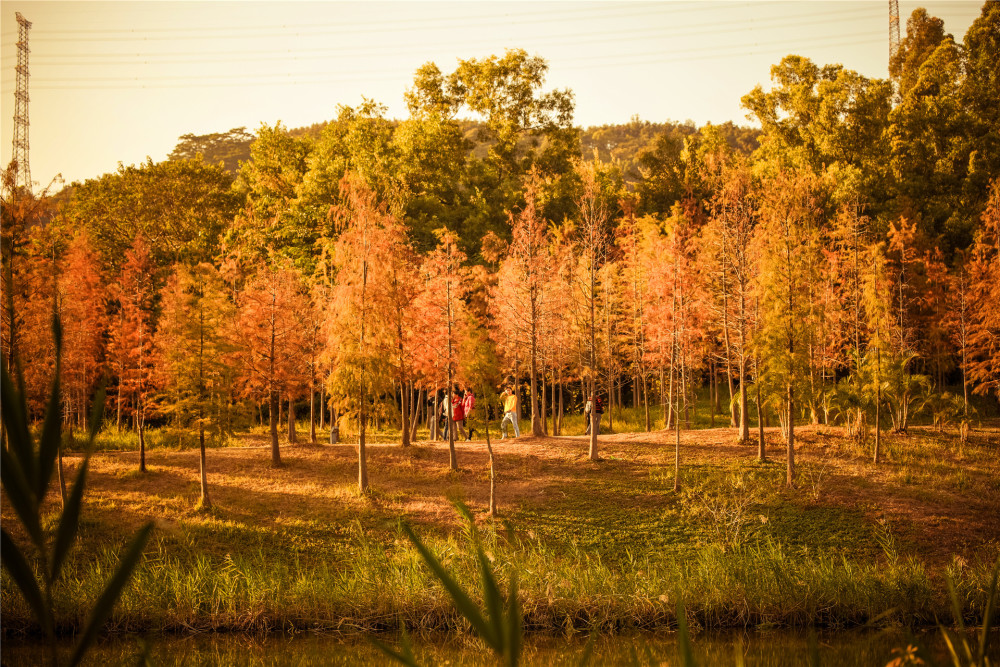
point(605, 543)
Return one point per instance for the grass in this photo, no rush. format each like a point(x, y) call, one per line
point(606, 545)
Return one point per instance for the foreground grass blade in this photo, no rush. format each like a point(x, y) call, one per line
point(96, 413)
point(403, 656)
point(104, 605)
point(15, 418)
point(69, 522)
point(19, 493)
point(683, 640)
point(514, 630)
point(462, 601)
point(48, 446)
point(19, 570)
point(988, 616)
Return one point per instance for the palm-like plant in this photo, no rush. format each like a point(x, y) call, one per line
point(26, 473)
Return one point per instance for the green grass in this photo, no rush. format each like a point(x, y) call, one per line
point(604, 546)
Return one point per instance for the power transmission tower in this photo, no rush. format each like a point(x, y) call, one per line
point(22, 177)
point(893, 28)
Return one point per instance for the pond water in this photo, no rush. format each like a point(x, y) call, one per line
point(761, 649)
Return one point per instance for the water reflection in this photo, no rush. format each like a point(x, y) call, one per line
point(767, 649)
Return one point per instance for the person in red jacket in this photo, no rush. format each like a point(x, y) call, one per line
point(458, 414)
point(468, 404)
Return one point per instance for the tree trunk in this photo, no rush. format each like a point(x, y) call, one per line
point(562, 402)
point(362, 453)
point(292, 436)
point(142, 440)
point(62, 477)
point(312, 414)
point(272, 420)
point(205, 502)
point(404, 414)
point(536, 420)
point(878, 404)
point(711, 392)
point(761, 453)
point(744, 422)
point(790, 477)
point(489, 448)
point(433, 419)
point(645, 401)
point(552, 393)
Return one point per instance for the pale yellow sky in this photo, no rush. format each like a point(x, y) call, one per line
point(118, 81)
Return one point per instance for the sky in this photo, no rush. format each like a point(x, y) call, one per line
point(117, 82)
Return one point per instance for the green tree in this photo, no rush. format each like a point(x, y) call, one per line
point(268, 224)
point(228, 148)
point(181, 207)
point(522, 126)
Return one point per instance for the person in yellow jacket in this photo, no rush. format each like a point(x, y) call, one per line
point(509, 400)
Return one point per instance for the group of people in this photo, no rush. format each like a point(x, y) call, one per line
point(458, 407)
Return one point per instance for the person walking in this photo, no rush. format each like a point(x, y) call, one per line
point(468, 403)
point(509, 400)
point(446, 414)
point(458, 414)
point(598, 406)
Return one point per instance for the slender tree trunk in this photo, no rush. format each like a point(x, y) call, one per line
point(362, 453)
point(761, 453)
point(562, 402)
point(62, 477)
point(677, 441)
point(273, 411)
point(537, 428)
point(544, 406)
point(878, 404)
point(433, 419)
point(744, 421)
point(205, 502)
point(292, 435)
point(140, 418)
point(552, 393)
point(645, 401)
point(312, 412)
point(594, 425)
point(404, 414)
point(489, 448)
point(711, 391)
point(790, 477)
point(664, 400)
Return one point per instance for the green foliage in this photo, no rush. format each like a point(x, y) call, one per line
point(27, 470)
point(228, 148)
point(181, 207)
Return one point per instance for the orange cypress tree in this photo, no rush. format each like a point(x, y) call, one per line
point(370, 306)
point(132, 328)
point(84, 322)
point(440, 310)
point(984, 320)
point(269, 337)
point(520, 298)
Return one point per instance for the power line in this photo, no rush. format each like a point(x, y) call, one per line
point(382, 75)
point(315, 54)
point(322, 31)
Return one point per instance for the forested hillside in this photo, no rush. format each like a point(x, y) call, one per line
point(839, 265)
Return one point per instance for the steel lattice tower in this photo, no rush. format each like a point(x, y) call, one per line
point(22, 178)
point(893, 28)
